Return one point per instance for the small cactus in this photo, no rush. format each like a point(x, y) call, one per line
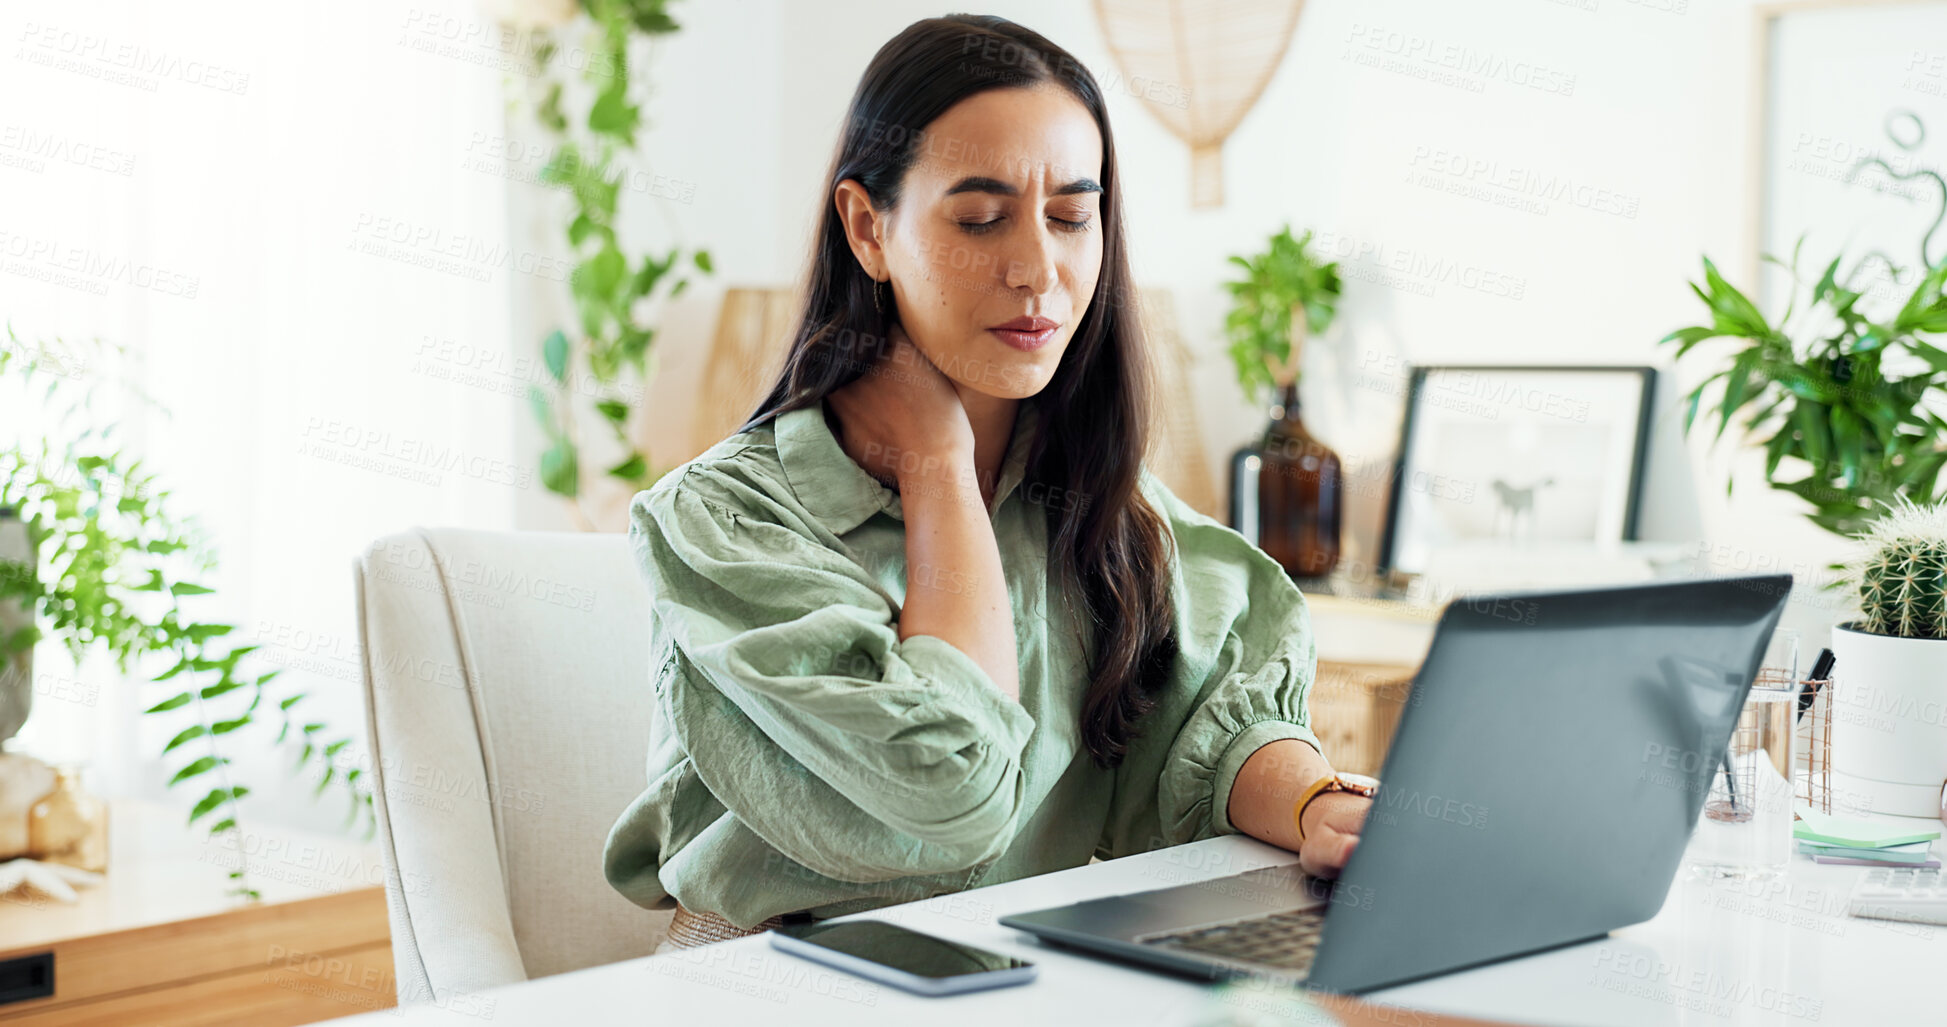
point(1901, 575)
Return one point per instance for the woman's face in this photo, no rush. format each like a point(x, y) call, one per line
point(1000, 218)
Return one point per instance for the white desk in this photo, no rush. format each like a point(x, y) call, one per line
point(1785, 953)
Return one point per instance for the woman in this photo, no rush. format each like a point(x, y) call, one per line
point(925, 622)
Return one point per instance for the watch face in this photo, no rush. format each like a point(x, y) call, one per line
point(1360, 783)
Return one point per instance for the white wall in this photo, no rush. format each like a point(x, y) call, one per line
point(279, 180)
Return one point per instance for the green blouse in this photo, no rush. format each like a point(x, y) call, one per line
point(803, 757)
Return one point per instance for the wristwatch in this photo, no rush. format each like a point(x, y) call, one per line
point(1357, 784)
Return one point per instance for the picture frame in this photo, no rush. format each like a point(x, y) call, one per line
point(1515, 455)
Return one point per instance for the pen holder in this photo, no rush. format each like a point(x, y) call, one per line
point(1812, 738)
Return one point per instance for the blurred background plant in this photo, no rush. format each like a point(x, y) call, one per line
point(118, 571)
point(1285, 293)
point(587, 95)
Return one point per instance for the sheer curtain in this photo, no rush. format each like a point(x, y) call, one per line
point(294, 218)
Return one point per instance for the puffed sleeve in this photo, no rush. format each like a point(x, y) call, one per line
point(1243, 677)
point(858, 754)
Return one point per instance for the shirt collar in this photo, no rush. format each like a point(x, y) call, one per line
point(838, 491)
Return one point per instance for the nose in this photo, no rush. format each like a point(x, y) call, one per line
point(1032, 265)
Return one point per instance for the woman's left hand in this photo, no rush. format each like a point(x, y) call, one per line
point(1332, 825)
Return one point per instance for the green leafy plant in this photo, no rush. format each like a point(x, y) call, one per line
point(116, 571)
point(610, 284)
point(1900, 575)
point(1280, 285)
point(1843, 415)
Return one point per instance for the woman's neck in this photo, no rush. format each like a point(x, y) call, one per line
point(992, 421)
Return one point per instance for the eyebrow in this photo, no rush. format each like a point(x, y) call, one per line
point(982, 184)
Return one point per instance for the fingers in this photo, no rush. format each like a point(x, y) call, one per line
point(1326, 850)
point(1331, 845)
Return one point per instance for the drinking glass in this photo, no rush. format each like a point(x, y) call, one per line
point(1745, 829)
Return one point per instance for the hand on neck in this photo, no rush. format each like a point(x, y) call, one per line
point(992, 421)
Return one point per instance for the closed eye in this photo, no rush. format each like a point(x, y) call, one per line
point(978, 227)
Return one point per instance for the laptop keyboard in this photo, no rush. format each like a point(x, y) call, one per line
point(1288, 941)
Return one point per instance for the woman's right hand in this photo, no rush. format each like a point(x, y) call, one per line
point(902, 420)
point(903, 415)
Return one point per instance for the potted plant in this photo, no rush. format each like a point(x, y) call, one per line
point(1285, 489)
point(1889, 724)
point(95, 557)
point(1847, 410)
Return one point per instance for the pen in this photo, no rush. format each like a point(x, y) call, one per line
point(1821, 671)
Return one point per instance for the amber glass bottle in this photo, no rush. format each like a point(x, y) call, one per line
point(1300, 490)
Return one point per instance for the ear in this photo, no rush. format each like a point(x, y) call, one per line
point(863, 226)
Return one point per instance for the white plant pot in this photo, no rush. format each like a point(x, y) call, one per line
point(1889, 722)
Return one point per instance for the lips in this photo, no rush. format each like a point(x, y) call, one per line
point(1026, 333)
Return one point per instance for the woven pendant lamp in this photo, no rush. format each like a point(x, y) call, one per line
point(1200, 65)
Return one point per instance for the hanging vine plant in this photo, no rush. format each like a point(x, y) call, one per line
point(609, 341)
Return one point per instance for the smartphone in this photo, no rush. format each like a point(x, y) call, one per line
point(906, 959)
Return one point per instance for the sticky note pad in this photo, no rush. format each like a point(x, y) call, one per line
point(1860, 834)
point(1914, 853)
point(1847, 861)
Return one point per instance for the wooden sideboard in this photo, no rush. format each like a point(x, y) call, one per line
point(162, 942)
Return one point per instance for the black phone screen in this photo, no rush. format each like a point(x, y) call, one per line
point(891, 945)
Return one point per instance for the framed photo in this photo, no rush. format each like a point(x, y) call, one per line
point(1515, 456)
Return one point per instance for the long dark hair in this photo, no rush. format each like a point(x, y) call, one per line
point(1096, 408)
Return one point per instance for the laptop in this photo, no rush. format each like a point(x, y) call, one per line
point(1542, 783)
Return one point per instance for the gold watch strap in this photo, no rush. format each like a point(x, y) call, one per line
point(1329, 782)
